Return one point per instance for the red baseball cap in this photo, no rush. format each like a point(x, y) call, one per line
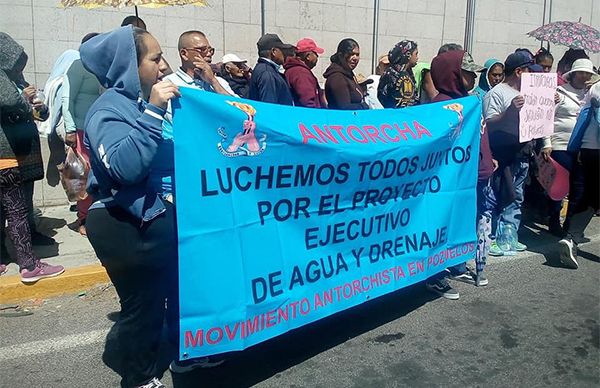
point(307, 44)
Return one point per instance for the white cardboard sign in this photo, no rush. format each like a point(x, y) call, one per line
point(537, 115)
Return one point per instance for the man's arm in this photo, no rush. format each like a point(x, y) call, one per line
point(209, 77)
point(72, 82)
point(496, 119)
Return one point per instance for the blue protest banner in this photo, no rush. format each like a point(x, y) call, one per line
point(288, 215)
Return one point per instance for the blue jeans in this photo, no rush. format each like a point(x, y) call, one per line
point(511, 214)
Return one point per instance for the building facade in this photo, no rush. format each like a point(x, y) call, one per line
point(46, 29)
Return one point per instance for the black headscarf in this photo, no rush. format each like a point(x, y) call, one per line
point(400, 54)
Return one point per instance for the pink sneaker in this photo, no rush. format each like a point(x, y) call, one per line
point(42, 270)
point(3, 269)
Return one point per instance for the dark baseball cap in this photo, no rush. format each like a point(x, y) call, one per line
point(517, 60)
point(269, 41)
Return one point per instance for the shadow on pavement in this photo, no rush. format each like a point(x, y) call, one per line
point(539, 240)
point(243, 369)
point(47, 226)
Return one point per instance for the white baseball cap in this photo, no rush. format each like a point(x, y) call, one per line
point(232, 58)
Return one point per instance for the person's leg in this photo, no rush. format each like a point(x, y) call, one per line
point(489, 205)
point(140, 321)
point(135, 259)
point(15, 208)
point(576, 190)
point(484, 232)
point(483, 227)
point(511, 214)
point(4, 256)
point(583, 210)
point(36, 237)
point(28, 195)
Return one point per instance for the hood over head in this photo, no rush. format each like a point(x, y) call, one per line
point(483, 79)
point(10, 52)
point(112, 58)
point(446, 74)
point(294, 62)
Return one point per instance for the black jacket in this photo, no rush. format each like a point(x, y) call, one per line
point(268, 85)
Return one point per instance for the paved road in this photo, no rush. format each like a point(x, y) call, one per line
point(534, 325)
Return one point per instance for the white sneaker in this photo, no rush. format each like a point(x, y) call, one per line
point(154, 383)
point(568, 253)
point(188, 366)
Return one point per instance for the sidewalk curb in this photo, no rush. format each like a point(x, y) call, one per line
point(73, 280)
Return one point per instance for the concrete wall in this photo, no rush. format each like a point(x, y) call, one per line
point(45, 29)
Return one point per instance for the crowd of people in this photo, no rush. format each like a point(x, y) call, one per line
point(110, 101)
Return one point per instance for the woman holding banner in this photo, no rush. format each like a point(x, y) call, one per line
point(131, 228)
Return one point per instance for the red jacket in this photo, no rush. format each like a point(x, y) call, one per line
point(303, 83)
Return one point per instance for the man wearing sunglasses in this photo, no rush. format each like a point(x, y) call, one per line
point(195, 71)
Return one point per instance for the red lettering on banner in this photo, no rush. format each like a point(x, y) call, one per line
point(421, 130)
point(283, 314)
point(365, 134)
point(385, 276)
point(318, 301)
point(231, 335)
point(365, 286)
point(250, 327)
point(356, 286)
point(373, 133)
point(193, 341)
point(307, 134)
point(339, 129)
point(270, 317)
point(325, 134)
point(404, 131)
point(303, 307)
point(354, 128)
point(209, 336)
point(384, 128)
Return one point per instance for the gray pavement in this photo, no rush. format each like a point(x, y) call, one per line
point(535, 325)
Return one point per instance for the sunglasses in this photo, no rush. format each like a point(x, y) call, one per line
point(202, 50)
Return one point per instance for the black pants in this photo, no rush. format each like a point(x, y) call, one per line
point(587, 165)
point(141, 261)
point(583, 209)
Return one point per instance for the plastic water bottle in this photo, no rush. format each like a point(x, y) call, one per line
point(513, 238)
point(507, 238)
